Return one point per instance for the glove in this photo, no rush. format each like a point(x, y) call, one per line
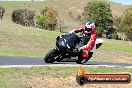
point(80, 48)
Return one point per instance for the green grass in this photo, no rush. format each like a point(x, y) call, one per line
point(17, 77)
point(25, 41)
point(117, 46)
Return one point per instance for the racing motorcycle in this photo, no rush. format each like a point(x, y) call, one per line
point(66, 49)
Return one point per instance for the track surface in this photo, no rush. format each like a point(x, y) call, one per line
point(15, 60)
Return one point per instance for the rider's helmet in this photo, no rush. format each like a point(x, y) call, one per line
point(89, 27)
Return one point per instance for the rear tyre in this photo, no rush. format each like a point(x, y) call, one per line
point(80, 59)
point(90, 55)
point(51, 56)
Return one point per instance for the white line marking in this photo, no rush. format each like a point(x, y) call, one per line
point(63, 65)
point(128, 67)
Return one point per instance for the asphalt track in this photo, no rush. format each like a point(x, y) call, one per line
point(33, 61)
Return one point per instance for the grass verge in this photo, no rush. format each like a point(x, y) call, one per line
point(25, 41)
point(22, 77)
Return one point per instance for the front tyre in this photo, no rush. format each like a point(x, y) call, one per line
point(51, 56)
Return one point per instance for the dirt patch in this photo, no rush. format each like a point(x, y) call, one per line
point(112, 57)
point(67, 82)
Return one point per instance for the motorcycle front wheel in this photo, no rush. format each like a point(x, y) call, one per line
point(51, 56)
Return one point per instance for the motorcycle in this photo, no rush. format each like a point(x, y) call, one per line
point(65, 49)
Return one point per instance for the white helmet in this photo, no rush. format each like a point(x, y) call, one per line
point(89, 27)
point(90, 24)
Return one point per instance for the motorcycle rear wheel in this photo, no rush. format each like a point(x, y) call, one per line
point(80, 60)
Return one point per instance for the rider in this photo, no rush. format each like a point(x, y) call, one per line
point(89, 38)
